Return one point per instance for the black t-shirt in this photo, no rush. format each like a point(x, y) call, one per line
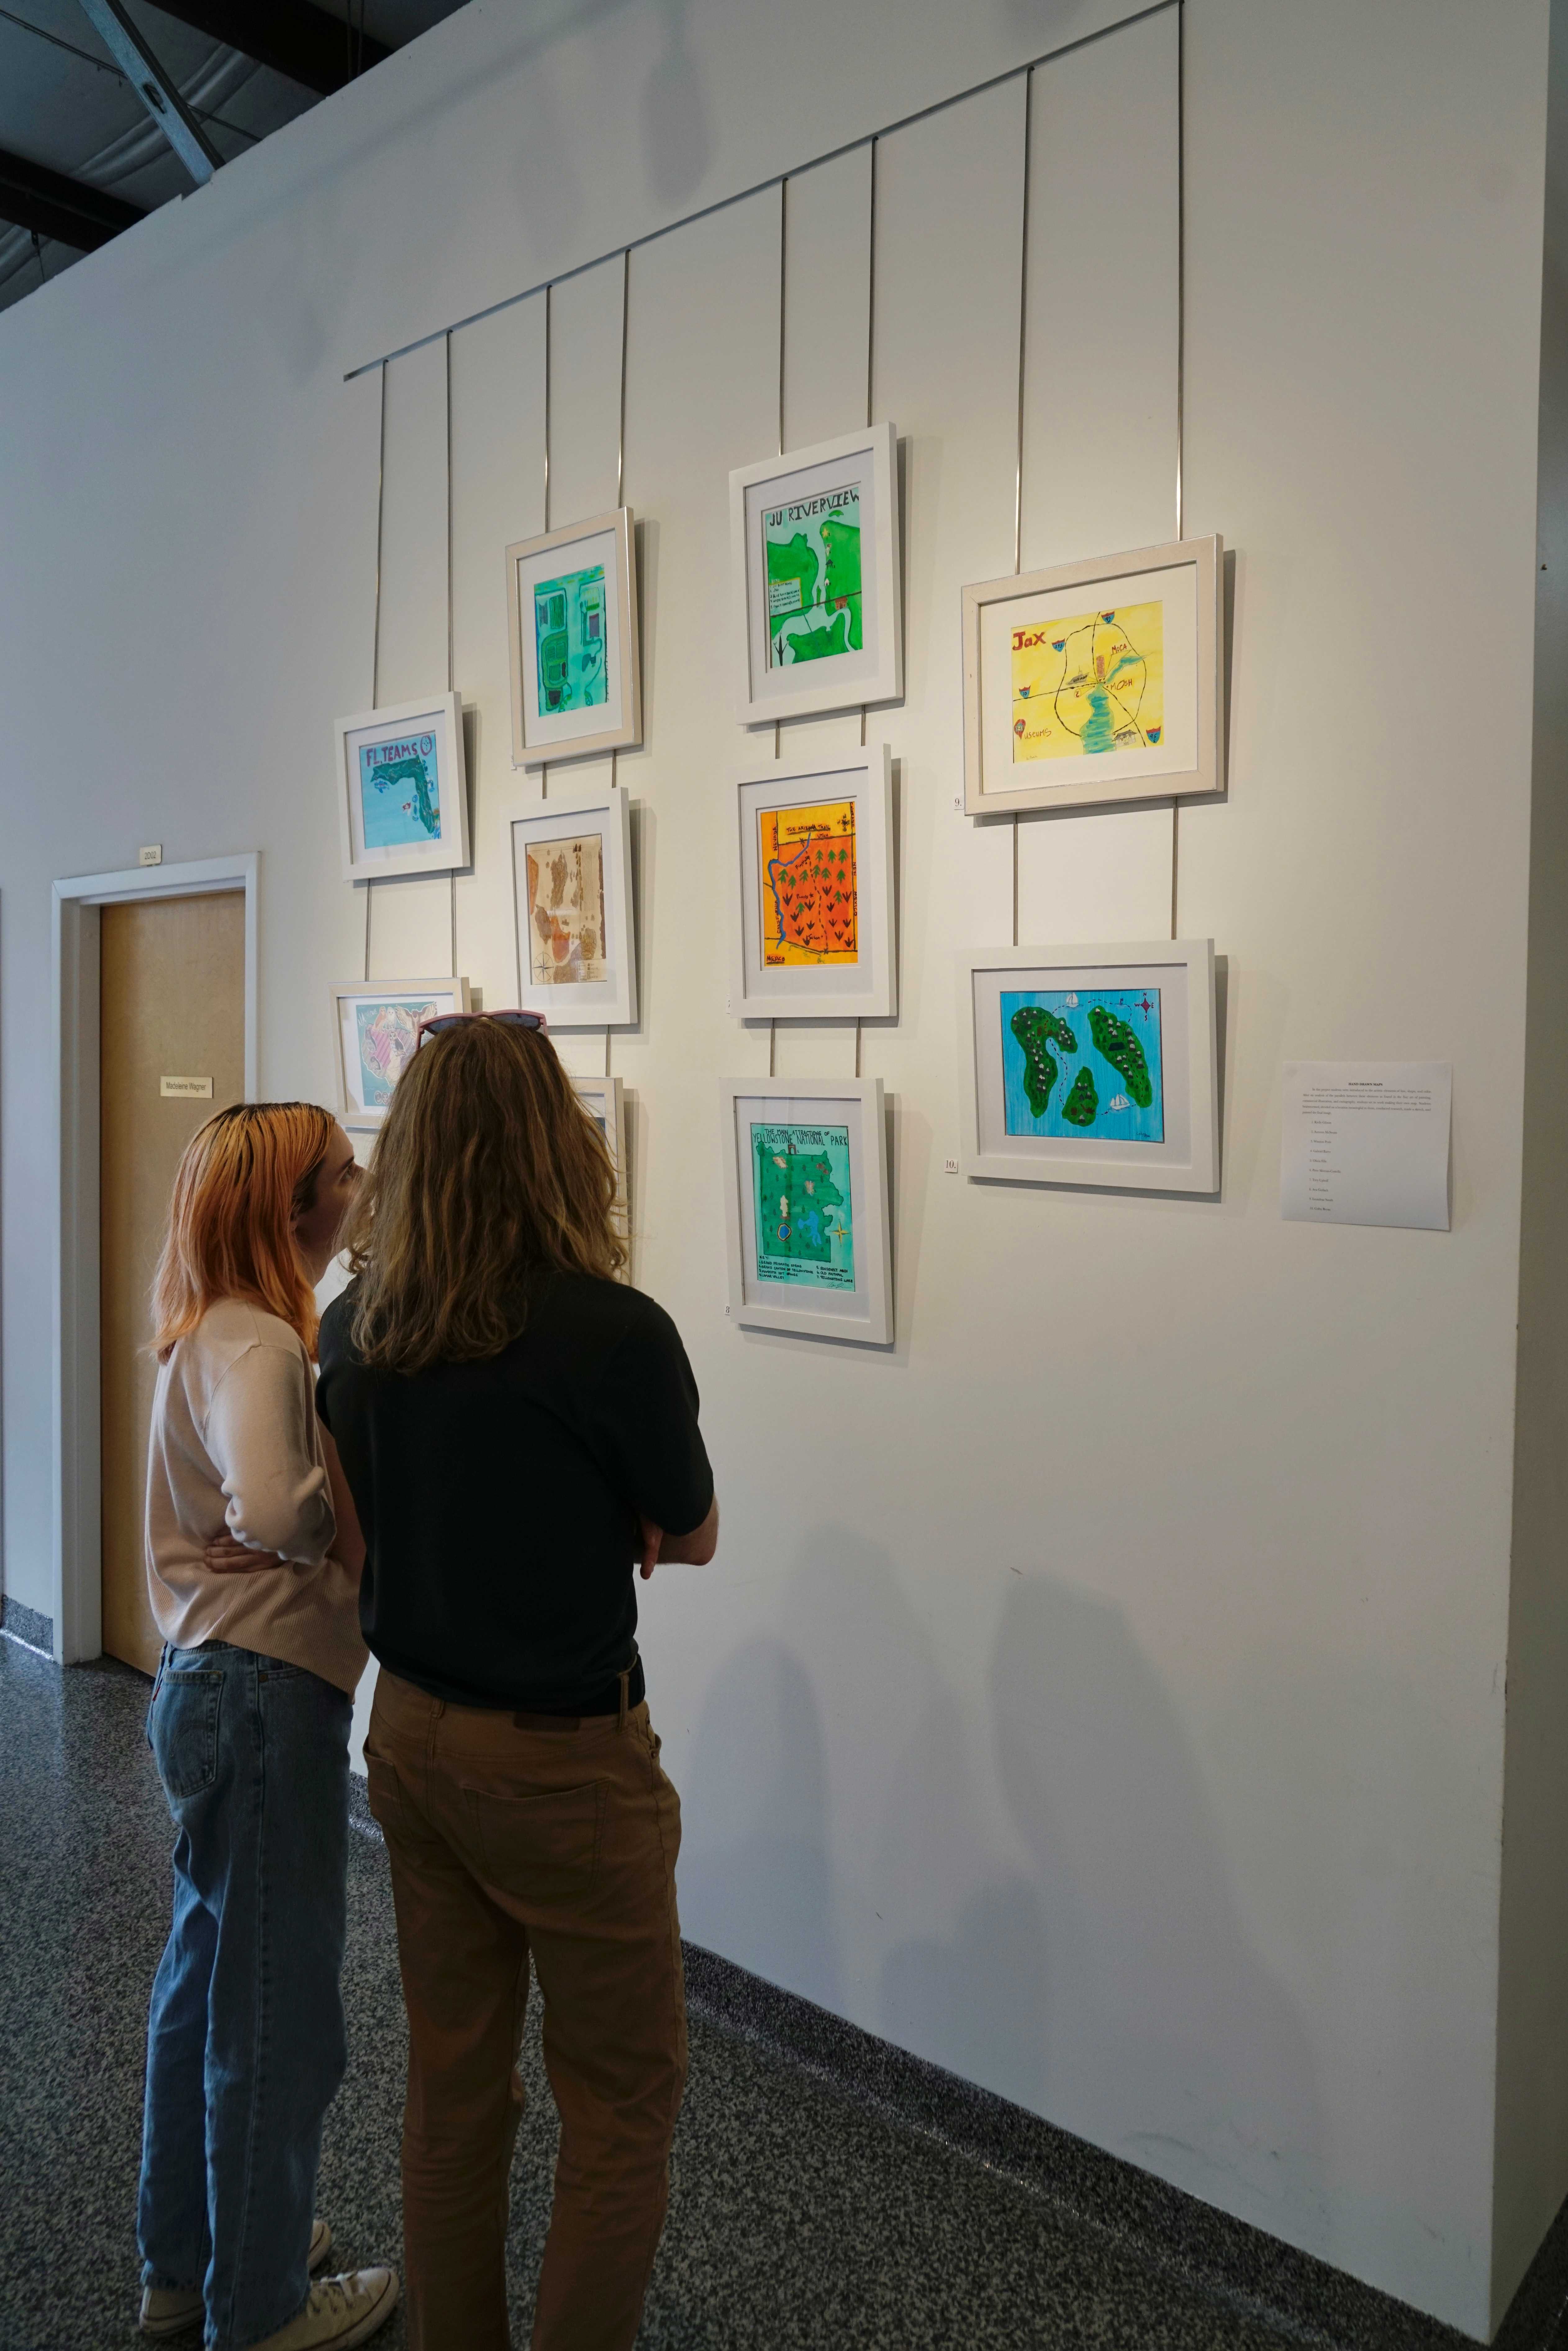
point(498, 1498)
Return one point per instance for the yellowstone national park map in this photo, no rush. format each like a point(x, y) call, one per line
point(805, 1223)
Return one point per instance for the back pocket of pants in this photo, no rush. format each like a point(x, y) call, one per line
point(184, 1732)
point(542, 1850)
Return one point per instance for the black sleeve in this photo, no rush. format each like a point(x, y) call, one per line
point(644, 1417)
point(331, 1347)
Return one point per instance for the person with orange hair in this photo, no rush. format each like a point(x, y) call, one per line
point(252, 1562)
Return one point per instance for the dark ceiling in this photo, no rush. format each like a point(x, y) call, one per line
point(83, 153)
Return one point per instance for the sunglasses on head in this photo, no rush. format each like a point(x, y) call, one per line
point(441, 1021)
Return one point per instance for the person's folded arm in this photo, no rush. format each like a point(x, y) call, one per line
point(694, 1550)
point(645, 1414)
point(278, 1500)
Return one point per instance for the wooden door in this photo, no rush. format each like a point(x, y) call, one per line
point(172, 992)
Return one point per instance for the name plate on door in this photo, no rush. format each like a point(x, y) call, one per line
point(186, 1089)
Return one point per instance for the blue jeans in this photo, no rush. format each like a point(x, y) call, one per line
point(244, 2041)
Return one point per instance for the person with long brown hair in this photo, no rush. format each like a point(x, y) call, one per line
point(519, 1429)
point(253, 1571)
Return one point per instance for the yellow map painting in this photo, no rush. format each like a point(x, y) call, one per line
point(807, 871)
point(1094, 683)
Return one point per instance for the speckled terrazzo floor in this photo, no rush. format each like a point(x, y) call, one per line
point(797, 2219)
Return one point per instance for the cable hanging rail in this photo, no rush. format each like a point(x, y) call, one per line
point(376, 623)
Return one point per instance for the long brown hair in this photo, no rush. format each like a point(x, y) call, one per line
point(243, 1179)
point(486, 1171)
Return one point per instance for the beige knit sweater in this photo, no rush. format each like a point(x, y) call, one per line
point(236, 1445)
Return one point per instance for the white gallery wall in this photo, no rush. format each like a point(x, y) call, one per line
point(1100, 1692)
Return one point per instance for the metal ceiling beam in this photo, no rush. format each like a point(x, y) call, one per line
point(305, 43)
point(157, 89)
point(47, 204)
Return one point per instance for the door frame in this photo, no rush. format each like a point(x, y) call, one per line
point(78, 1444)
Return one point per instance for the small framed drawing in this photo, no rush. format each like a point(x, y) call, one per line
point(600, 1098)
point(805, 1179)
point(571, 867)
point(1092, 1065)
point(1095, 683)
point(577, 680)
point(374, 1026)
point(818, 600)
point(812, 906)
point(403, 795)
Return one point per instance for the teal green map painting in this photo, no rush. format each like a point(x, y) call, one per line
point(399, 791)
point(805, 1222)
point(1083, 1061)
point(569, 635)
point(812, 550)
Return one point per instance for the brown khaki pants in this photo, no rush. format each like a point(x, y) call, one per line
point(561, 1843)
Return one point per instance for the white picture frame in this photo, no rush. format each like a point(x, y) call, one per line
point(1051, 642)
point(603, 1100)
point(1156, 1003)
point(770, 681)
point(373, 1026)
point(844, 1120)
point(605, 994)
point(402, 789)
point(787, 956)
point(577, 622)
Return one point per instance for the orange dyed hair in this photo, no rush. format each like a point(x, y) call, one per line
point(244, 1178)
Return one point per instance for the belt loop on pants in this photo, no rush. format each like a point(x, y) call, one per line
point(624, 1678)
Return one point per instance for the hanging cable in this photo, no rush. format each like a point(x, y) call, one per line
point(376, 623)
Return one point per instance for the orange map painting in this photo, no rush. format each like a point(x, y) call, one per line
point(807, 869)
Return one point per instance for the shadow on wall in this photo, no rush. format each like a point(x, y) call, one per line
point(762, 1869)
point(1169, 2039)
point(677, 131)
point(1075, 1945)
point(677, 134)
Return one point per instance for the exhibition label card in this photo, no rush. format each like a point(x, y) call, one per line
point(1366, 1143)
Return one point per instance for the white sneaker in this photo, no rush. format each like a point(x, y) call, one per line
point(340, 2311)
point(171, 2310)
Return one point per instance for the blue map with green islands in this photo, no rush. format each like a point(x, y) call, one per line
point(1083, 1062)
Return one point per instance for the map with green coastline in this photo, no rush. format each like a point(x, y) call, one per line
point(805, 1223)
point(1115, 1089)
point(812, 550)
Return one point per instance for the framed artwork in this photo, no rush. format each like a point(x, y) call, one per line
point(812, 906)
point(1096, 683)
point(1092, 1065)
point(571, 867)
point(402, 794)
point(577, 679)
point(806, 1199)
point(374, 1026)
point(600, 1097)
point(817, 596)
